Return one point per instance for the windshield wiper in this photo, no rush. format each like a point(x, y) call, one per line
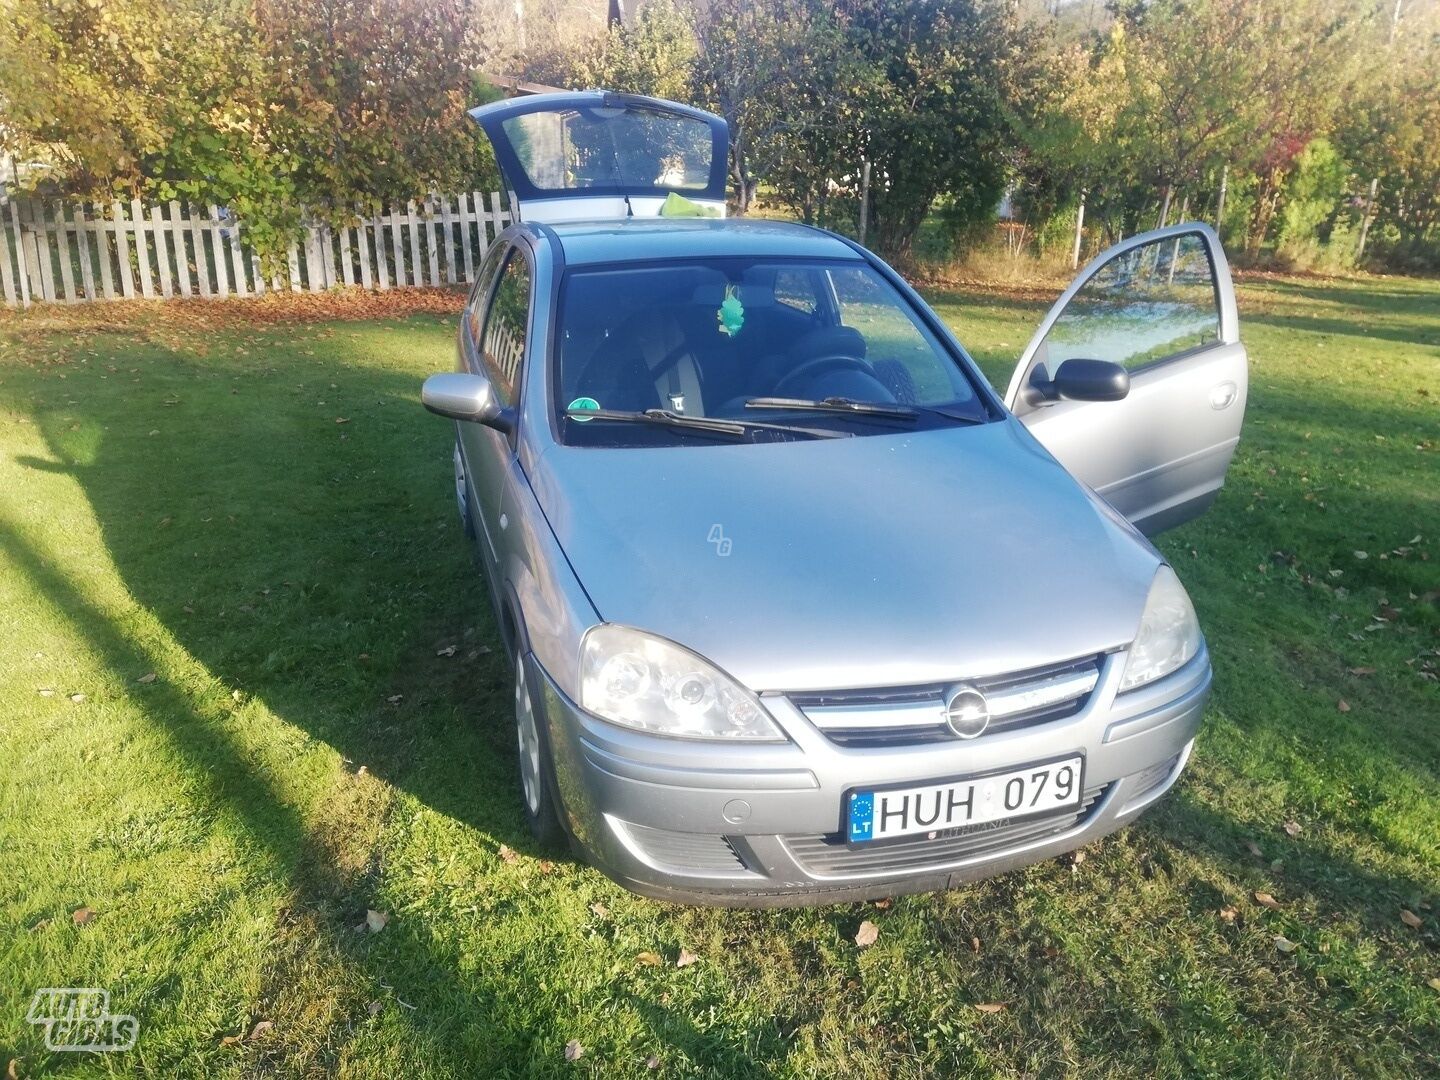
point(734, 429)
point(884, 409)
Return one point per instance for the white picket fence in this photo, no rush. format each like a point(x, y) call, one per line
point(74, 252)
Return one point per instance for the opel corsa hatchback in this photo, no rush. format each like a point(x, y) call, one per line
point(800, 608)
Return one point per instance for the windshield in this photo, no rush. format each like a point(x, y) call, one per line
point(751, 341)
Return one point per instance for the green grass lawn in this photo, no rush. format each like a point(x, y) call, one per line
point(231, 724)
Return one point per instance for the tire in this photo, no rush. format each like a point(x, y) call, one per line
point(462, 495)
point(535, 772)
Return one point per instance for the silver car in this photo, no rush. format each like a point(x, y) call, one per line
point(800, 608)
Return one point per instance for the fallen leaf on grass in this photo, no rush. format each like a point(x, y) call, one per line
point(686, 958)
point(1254, 849)
point(1264, 899)
point(991, 1007)
point(1410, 919)
point(45, 691)
point(649, 959)
point(82, 915)
point(1434, 984)
point(509, 854)
point(1292, 828)
point(395, 699)
point(149, 677)
point(1343, 705)
point(1284, 944)
point(375, 920)
point(12, 1070)
point(231, 1040)
point(263, 1027)
point(599, 910)
point(342, 419)
point(1078, 857)
point(866, 935)
point(652, 1062)
point(1228, 913)
point(1361, 670)
point(374, 1008)
point(449, 650)
point(573, 1050)
point(78, 699)
point(975, 945)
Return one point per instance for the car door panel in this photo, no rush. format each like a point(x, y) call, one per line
point(1163, 304)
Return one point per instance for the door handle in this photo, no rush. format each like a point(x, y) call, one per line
point(1223, 396)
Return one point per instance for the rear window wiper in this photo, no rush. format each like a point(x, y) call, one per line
point(885, 409)
point(735, 429)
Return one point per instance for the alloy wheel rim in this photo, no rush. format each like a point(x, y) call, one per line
point(528, 737)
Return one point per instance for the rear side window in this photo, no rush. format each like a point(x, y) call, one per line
point(503, 349)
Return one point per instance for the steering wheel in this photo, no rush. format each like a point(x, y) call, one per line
point(817, 364)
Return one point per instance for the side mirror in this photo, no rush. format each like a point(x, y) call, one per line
point(462, 396)
point(1080, 379)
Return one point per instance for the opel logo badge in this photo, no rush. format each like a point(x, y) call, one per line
point(967, 713)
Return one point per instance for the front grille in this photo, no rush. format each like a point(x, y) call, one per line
point(911, 715)
point(829, 855)
point(695, 852)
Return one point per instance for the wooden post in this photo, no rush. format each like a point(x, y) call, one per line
point(864, 199)
point(67, 270)
point(82, 244)
point(40, 234)
point(1079, 232)
point(7, 276)
point(1369, 217)
point(1220, 202)
point(202, 261)
point(122, 250)
point(398, 277)
point(162, 252)
point(417, 274)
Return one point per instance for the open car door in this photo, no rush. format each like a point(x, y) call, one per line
point(597, 154)
point(1162, 306)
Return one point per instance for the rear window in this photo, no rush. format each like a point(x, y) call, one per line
point(603, 148)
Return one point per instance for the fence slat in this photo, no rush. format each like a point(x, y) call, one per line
point(103, 230)
point(62, 242)
point(197, 238)
point(122, 250)
point(40, 237)
point(347, 268)
point(176, 228)
point(7, 275)
point(162, 251)
point(217, 249)
point(327, 245)
point(295, 283)
point(417, 274)
point(362, 241)
point(142, 249)
point(465, 218)
point(22, 261)
point(431, 241)
point(82, 245)
point(398, 277)
point(447, 245)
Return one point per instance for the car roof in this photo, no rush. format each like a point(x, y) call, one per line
point(644, 239)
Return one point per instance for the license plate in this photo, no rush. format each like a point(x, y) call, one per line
point(885, 813)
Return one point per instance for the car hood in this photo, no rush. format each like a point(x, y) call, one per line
point(886, 560)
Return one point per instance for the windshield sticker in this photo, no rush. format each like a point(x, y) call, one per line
point(731, 315)
point(586, 403)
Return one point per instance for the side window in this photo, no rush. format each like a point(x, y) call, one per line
point(796, 289)
point(475, 313)
point(1145, 305)
point(503, 348)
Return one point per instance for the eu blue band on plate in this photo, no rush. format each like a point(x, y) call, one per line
point(862, 816)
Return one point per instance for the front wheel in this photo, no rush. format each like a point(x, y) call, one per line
point(536, 774)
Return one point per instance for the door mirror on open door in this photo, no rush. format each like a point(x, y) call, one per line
point(462, 396)
point(1079, 379)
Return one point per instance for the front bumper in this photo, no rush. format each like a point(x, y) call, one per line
point(756, 826)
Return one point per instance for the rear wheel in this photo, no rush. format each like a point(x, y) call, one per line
point(536, 774)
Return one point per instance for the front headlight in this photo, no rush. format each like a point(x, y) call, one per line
point(641, 681)
point(1169, 633)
